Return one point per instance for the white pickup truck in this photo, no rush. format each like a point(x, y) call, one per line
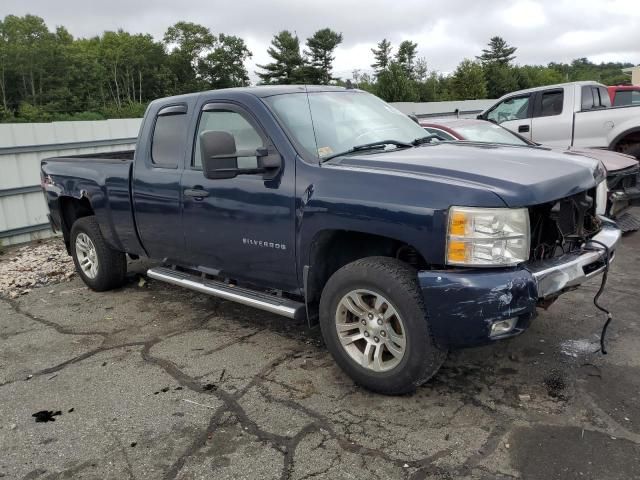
point(577, 114)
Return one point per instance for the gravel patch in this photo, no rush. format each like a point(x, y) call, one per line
point(34, 265)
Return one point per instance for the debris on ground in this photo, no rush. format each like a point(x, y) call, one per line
point(44, 416)
point(34, 265)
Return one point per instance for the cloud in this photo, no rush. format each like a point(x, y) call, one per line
point(543, 30)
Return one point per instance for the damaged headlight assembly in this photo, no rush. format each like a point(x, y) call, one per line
point(487, 237)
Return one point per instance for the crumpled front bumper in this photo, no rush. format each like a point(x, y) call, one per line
point(566, 271)
point(463, 304)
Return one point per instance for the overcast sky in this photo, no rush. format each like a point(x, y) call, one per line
point(446, 31)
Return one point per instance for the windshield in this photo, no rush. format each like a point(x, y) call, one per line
point(490, 133)
point(326, 123)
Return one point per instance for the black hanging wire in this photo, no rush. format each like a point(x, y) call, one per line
point(596, 299)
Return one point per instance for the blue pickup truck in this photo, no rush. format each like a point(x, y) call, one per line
point(328, 204)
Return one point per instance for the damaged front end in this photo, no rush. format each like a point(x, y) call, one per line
point(570, 243)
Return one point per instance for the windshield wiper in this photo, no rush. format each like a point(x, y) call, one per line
point(427, 139)
point(370, 146)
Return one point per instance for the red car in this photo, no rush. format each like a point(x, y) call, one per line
point(622, 95)
point(622, 170)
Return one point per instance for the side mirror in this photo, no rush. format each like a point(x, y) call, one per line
point(218, 155)
point(480, 116)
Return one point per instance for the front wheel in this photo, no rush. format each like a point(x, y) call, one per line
point(99, 266)
point(374, 324)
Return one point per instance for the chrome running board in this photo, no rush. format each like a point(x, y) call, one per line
point(253, 298)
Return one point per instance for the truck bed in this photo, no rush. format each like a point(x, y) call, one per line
point(104, 179)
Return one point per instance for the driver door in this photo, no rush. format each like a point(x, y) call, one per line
point(241, 227)
point(513, 113)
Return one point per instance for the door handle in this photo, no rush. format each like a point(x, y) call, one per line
point(196, 193)
point(523, 128)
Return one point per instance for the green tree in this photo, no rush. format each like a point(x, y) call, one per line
point(30, 43)
point(383, 57)
point(468, 81)
point(321, 47)
point(420, 70)
point(288, 65)
point(224, 66)
point(498, 51)
point(406, 57)
point(500, 79)
point(530, 76)
point(435, 88)
point(394, 85)
point(187, 42)
point(4, 63)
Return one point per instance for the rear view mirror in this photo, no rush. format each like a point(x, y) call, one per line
point(219, 156)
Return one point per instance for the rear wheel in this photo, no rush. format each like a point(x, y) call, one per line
point(99, 266)
point(374, 324)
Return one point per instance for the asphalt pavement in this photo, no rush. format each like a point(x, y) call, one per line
point(154, 382)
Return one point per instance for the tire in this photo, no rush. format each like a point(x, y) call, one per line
point(394, 284)
point(110, 265)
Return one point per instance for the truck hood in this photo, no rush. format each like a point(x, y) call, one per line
point(520, 176)
point(612, 161)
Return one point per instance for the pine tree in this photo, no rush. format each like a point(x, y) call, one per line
point(406, 57)
point(498, 52)
point(382, 55)
point(288, 64)
point(320, 55)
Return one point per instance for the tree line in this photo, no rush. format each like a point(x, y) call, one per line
point(49, 75)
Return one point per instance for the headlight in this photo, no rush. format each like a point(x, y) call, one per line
point(602, 193)
point(488, 237)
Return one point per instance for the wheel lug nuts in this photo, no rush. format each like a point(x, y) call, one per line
point(383, 333)
point(364, 322)
point(371, 316)
point(376, 339)
point(379, 321)
point(366, 334)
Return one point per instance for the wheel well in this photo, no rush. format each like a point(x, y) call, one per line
point(331, 250)
point(71, 209)
point(627, 140)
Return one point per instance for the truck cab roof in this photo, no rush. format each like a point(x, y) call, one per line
point(260, 91)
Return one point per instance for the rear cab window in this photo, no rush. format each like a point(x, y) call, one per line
point(594, 97)
point(168, 141)
point(550, 104)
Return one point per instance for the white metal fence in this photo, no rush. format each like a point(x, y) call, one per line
point(23, 212)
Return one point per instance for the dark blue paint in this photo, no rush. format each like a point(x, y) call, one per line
point(404, 195)
point(462, 305)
